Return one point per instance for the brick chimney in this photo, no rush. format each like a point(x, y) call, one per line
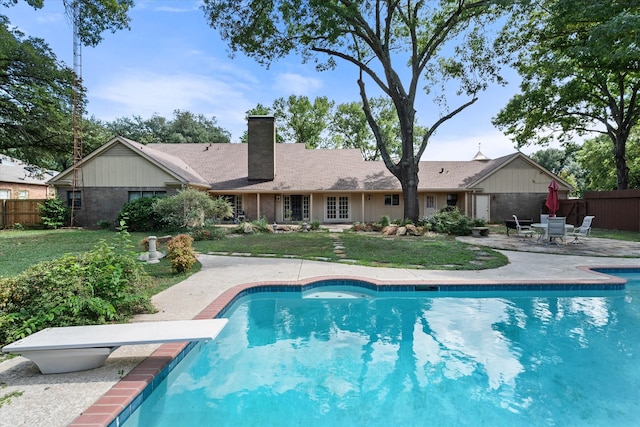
point(262, 148)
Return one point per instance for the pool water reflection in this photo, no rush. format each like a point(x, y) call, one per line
point(546, 359)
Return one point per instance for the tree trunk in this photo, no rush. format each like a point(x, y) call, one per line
point(409, 182)
point(619, 154)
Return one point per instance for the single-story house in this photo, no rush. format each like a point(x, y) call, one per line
point(20, 180)
point(287, 182)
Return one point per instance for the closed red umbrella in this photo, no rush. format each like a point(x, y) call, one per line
point(552, 198)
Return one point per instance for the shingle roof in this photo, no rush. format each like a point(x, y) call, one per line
point(16, 171)
point(224, 167)
point(173, 163)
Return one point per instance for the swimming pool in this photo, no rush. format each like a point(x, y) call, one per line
point(352, 357)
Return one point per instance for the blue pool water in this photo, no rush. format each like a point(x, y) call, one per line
point(351, 358)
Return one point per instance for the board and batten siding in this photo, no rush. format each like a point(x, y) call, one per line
point(516, 177)
point(119, 167)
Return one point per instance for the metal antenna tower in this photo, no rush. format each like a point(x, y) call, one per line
point(77, 183)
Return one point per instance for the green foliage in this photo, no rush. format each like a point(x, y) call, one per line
point(140, 215)
point(300, 121)
point(54, 213)
point(578, 60)
point(207, 233)
point(104, 224)
point(596, 157)
point(103, 285)
point(181, 253)
point(315, 225)
point(185, 127)
point(452, 221)
point(6, 398)
point(190, 208)
point(36, 97)
point(385, 221)
point(260, 225)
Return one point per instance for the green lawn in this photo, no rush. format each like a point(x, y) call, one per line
point(20, 249)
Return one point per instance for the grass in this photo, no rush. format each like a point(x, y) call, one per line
point(21, 249)
point(432, 252)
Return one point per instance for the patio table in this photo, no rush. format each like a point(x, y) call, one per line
point(543, 229)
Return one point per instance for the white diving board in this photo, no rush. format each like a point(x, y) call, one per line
point(77, 348)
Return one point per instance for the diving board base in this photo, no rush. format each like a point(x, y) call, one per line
point(71, 360)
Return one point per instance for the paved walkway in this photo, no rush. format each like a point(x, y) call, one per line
point(56, 400)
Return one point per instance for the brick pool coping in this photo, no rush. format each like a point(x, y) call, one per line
point(126, 395)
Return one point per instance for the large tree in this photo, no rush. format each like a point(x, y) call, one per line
point(185, 127)
point(301, 121)
point(400, 46)
point(580, 67)
point(596, 157)
point(37, 90)
point(36, 97)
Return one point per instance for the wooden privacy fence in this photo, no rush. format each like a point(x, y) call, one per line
point(25, 212)
point(614, 210)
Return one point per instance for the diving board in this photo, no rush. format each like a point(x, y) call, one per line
point(77, 348)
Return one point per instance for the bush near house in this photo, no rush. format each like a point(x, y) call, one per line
point(139, 214)
point(54, 213)
point(101, 286)
point(452, 221)
point(191, 208)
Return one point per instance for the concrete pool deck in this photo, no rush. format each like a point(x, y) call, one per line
point(58, 399)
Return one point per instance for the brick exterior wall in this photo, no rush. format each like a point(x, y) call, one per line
point(104, 203)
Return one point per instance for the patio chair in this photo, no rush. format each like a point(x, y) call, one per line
point(583, 231)
point(523, 231)
point(556, 229)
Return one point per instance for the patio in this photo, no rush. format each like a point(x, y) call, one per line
point(590, 246)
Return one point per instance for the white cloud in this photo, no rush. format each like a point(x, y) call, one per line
point(290, 83)
point(142, 93)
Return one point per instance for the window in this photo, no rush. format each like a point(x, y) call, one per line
point(23, 194)
point(392, 200)
point(452, 199)
point(5, 194)
point(338, 207)
point(431, 202)
point(133, 195)
point(74, 199)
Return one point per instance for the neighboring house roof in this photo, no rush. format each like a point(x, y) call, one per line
point(224, 167)
point(16, 171)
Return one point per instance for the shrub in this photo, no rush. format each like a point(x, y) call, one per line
point(260, 225)
point(191, 208)
point(207, 233)
point(315, 225)
point(91, 288)
point(180, 253)
point(385, 221)
point(54, 213)
point(451, 221)
point(140, 215)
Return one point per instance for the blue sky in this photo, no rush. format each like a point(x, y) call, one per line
point(171, 59)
